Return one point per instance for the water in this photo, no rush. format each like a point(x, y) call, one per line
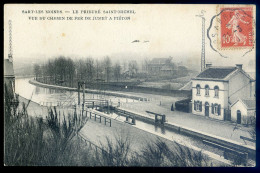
point(44, 95)
point(54, 97)
point(159, 130)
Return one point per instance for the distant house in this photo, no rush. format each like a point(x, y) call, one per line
point(242, 110)
point(161, 66)
point(216, 88)
point(9, 78)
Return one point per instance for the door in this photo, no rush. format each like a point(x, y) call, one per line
point(207, 109)
point(238, 117)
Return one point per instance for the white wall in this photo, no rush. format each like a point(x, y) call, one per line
point(239, 87)
point(238, 106)
point(222, 99)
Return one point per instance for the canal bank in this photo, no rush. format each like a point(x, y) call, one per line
point(34, 82)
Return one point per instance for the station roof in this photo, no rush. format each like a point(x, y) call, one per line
point(220, 73)
point(250, 103)
point(217, 72)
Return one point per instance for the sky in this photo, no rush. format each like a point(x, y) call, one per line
point(172, 30)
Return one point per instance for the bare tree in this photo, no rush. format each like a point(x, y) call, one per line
point(117, 71)
point(133, 68)
point(98, 69)
point(37, 71)
point(108, 68)
point(89, 69)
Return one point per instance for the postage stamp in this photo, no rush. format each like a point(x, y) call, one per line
point(231, 30)
point(236, 27)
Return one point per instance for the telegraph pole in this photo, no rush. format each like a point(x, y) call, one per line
point(83, 86)
point(203, 40)
point(78, 93)
point(83, 104)
point(10, 55)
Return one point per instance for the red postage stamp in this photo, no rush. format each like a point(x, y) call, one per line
point(236, 27)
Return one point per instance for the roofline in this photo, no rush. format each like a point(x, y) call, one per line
point(251, 108)
point(210, 79)
point(247, 75)
point(236, 102)
point(9, 75)
point(242, 103)
point(228, 77)
point(237, 71)
point(185, 86)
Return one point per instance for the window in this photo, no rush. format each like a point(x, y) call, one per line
point(216, 89)
point(206, 90)
point(216, 109)
point(198, 106)
point(198, 89)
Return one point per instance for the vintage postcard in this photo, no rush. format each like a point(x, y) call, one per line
point(122, 85)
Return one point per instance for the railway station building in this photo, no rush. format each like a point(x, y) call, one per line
point(216, 89)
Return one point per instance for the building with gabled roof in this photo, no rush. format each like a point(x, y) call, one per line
point(161, 66)
point(243, 110)
point(216, 88)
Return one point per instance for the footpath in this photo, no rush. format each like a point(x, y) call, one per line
point(223, 129)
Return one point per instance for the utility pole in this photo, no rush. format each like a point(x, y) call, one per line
point(78, 93)
point(10, 55)
point(203, 40)
point(83, 86)
point(83, 104)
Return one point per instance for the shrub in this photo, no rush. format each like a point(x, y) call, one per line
point(32, 141)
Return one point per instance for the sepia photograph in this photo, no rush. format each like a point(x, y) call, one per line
point(129, 85)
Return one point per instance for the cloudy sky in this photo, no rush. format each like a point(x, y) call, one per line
point(172, 30)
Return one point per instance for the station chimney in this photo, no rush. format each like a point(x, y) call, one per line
point(239, 66)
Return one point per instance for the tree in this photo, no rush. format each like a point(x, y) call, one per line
point(117, 71)
point(98, 69)
point(133, 68)
point(37, 71)
point(107, 67)
point(89, 69)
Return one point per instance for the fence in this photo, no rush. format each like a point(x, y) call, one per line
point(237, 157)
point(96, 103)
point(227, 114)
point(92, 144)
point(157, 117)
point(99, 116)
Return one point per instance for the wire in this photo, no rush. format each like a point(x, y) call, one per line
point(239, 89)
